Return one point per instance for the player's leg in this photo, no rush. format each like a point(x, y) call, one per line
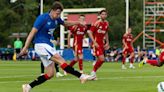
point(157, 63)
point(55, 57)
point(153, 62)
point(80, 60)
point(98, 64)
point(131, 60)
point(42, 68)
point(100, 60)
point(74, 61)
point(58, 74)
point(49, 66)
point(124, 54)
point(58, 59)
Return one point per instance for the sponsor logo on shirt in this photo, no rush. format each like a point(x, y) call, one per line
point(78, 32)
point(101, 31)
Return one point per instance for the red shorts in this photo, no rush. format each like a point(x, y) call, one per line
point(78, 49)
point(161, 57)
point(129, 50)
point(99, 51)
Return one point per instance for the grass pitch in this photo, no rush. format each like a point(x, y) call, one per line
point(111, 78)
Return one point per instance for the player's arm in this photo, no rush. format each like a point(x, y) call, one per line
point(54, 42)
point(71, 23)
point(107, 41)
point(39, 22)
point(69, 37)
point(123, 41)
point(28, 41)
point(132, 42)
point(90, 34)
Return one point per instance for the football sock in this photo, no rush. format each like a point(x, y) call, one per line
point(73, 62)
point(39, 80)
point(70, 70)
point(97, 65)
point(131, 60)
point(81, 64)
point(152, 62)
point(42, 67)
point(56, 67)
point(123, 60)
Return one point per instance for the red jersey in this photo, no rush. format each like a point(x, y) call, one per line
point(99, 30)
point(78, 32)
point(128, 38)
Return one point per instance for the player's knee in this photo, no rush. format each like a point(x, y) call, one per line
point(101, 59)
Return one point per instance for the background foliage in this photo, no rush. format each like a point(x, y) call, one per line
point(19, 17)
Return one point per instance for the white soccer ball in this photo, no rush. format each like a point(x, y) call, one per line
point(160, 87)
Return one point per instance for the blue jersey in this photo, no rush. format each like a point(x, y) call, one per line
point(45, 26)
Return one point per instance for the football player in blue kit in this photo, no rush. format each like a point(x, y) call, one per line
point(42, 30)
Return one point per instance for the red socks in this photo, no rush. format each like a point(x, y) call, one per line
point(131, 60)
point(97, 65)
point(153, 62)
point(73, 62)
point(81, 64)
point(123, 60)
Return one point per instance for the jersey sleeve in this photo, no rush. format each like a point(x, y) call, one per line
point(93, 28)
point(60, 21)
point(73, 28)
point(38, 22)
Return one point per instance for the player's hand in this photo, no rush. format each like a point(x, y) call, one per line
point(106, 46)
point(68, 46)
point(126, 47)
point(96, 45)
point(23, 52)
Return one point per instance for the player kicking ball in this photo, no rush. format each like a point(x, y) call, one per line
point(157, 63)
point(42, 30)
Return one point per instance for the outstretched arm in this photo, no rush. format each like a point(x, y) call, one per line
point(28, 41)
point(107, 41)
point(69, 37)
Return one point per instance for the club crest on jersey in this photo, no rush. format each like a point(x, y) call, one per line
point(100, 27)
point(49, 23)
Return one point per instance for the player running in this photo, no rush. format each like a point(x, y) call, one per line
point(99, 31)
point(42, 29)
point(128, 48)
point(78, 32)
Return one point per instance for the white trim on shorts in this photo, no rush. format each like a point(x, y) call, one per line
point(45, 52)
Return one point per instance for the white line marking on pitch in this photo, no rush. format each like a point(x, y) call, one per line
point(69, 79)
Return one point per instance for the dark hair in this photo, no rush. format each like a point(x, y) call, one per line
point(102, 11)
point(57, 5)
point(82, 15)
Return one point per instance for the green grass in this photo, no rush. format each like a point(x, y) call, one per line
point(110, 78)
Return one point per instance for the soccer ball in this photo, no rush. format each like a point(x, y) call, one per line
point(160, 87)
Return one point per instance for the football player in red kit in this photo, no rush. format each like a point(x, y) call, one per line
point(99, 31)
point(159, 62)
point(78, 32)
point(128, 48)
